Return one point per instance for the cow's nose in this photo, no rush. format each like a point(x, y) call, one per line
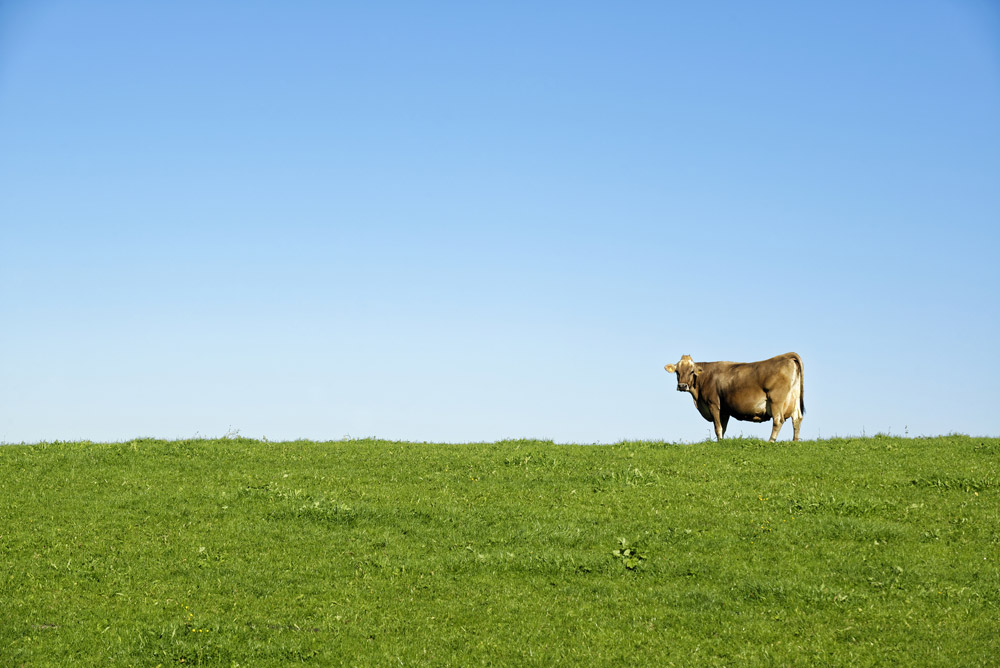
point(682, 387)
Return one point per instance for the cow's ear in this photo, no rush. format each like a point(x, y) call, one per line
point(698, 369)
point(670, 368)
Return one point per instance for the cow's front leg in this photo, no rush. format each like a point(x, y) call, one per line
point(720, 422)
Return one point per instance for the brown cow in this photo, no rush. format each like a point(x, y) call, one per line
point(751, 391)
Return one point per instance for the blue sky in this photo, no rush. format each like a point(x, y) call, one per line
point(456, 221)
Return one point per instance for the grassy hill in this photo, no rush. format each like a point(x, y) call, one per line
point(870, 551)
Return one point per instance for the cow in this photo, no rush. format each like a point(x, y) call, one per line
point(750, 391)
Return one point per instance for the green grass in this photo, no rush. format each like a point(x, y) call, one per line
point(860, 552)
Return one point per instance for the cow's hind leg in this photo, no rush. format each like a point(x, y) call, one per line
point(798, 406)
point(796, 415)
point(775, 406)
point(776, 427)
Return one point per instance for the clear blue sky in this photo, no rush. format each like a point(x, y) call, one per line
point(454, 221)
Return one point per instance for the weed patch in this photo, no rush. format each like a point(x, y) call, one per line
point(959, 483)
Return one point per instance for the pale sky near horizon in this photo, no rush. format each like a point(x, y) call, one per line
point(459, 222)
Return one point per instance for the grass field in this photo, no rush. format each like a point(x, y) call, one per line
point(860, 552)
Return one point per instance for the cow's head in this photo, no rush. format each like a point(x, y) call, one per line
point(687, 373)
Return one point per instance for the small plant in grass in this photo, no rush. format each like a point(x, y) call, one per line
point(628, 555)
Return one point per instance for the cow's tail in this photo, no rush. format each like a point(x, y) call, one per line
point(802, 384)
